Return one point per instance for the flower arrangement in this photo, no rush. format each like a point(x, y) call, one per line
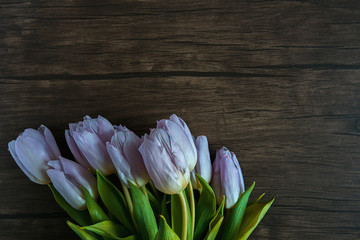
point(167, 187)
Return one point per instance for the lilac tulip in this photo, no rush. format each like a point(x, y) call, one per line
point(203, 164)
point(165, 162)
point(180, 133)
point(124, 153)
point(87, 142)
point(67, 177)
point(31, 150)
point(227, 177)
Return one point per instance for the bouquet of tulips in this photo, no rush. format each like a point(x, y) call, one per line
point(166, 187)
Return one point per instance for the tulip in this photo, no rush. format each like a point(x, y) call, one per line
point(203, 164)
point(179, 131)
point(124, 153)
point(165, 162)
point(87, 142)
point(227, 177)
point(67, 177)
point(31, 150)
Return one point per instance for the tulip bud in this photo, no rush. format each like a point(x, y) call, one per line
point(31, 150)
point(227, 177)
point(87, 142)
point(179, 131)
point(203, 164)
point(124, 153)
point(165, 162)
point(67, 177)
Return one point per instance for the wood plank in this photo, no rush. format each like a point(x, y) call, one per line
point(88, 37)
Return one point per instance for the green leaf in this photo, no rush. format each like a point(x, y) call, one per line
point(215, 229)
point(256, 200)
point(96, 213)
point(165, 232)
point(80, 232)
point(176, 215)
point(215, 223)
point(143, 214)
point(205, 210)
point(110, 229)
point(233, 221)
point(114, 201)
point(252, 217)
point(80, 216)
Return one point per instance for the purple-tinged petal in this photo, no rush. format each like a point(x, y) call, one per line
point(50, 140)
point(75, 171)
point(216, 184)
point(55, 164)
point(120, 163)
point(134, 158)
point(164, 162)
point(69, 190)
point(34, 156)
point(75, 151)
point(203, 164)
point(94, 150)
point(106, 129)
point(33, 178)
point(187, 145)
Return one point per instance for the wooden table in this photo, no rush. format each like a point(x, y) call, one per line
point(277, 82)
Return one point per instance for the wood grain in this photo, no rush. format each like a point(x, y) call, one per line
point(277, 82)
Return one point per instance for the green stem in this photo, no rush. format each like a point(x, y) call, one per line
point(143, 189)
point(154, 190)
point(128, 200)
point(192, 207)
point(184, 216)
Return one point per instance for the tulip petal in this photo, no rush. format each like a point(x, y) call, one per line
point(134, 158)
point(55, 164)
point(11, 146)
point(70, 192)
point(187, 145)
point(106, 129)
point(81, 176)
point(94, 150)
point(216, 184)
point(50, 140)
point(229, 179)
point(168, 171)
point(237, 166)
point(34, 155)
point(203, 164)
point(75, 150)
point(120, 163)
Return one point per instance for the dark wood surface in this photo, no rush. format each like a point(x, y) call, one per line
point(277, 82)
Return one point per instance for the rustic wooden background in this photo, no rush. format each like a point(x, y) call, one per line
point(277, 82)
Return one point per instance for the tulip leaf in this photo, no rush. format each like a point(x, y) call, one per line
point(110, 229)
point(114, 201)
point(233, 221)
point(205, 210)
point(256, 200)
point(252, 217)
point(80, 216)
point(84, 235)
point(165, 232)
point(215, 229)
point(216, 221)
point(143, 214)
point(176, 215)
point(96, 213)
